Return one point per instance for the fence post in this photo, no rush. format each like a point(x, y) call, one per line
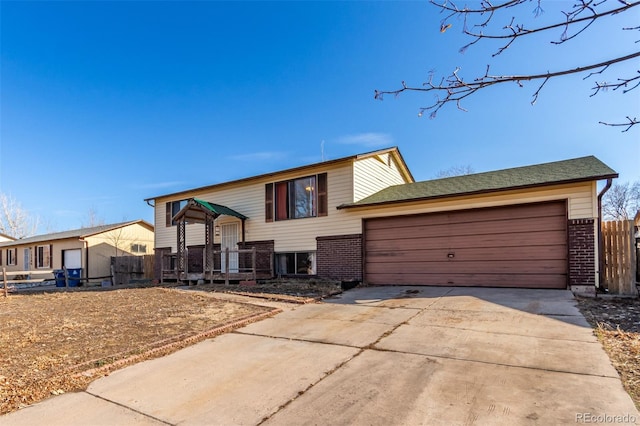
point(271, 261)
point(66, 276)
point(4, 278)
point(253, 262)
point(226, 266)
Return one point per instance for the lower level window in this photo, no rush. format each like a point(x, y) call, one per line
point(297, 263)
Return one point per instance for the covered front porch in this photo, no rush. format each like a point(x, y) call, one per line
point(232, 259)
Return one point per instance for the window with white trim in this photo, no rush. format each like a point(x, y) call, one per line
point(43, 257)
point(172, 208)
point(296, 198)
point(138, 248)
point(12, 256)
point(296, 263)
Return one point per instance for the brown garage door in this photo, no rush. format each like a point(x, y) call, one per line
point(514, 246)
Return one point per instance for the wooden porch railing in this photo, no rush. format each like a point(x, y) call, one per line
point(220, 265)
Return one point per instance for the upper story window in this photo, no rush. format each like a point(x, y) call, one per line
point(138, 248)
point(172, 208)
point(296, 198)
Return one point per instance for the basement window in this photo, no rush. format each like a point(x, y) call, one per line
point(296, 263)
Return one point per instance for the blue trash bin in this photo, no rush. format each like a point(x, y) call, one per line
point(74, 275)
point(59, 276)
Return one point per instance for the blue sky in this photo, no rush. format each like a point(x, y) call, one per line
point(104, 104)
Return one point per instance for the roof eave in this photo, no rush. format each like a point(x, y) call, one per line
point(479, 192)
point(252, 178)
point(351, 158)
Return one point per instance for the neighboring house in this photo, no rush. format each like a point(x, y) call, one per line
point(87, 248)
point(363, 218)
point(5, 237)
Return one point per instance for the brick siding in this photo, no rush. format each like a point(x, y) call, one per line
point(339, 257)
point(582, 253)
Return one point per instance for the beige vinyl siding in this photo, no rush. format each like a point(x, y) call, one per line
point(248, 198)
point(56, 254)
point(116, 242)
point(371, 174)
point(582, 201)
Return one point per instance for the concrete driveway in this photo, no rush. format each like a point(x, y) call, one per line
point(374, 356)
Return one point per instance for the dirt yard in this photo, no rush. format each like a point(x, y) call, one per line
point(60, 342)
point(617, 325)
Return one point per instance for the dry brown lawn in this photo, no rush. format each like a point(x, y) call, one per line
point(617, 325)
point(59, 342)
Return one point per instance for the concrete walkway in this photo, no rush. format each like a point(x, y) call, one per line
point(372, 356)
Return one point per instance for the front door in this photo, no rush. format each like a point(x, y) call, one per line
point(27, 259)
point(229, 240)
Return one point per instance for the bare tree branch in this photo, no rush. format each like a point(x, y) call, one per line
point(515, 31)
point(622, 201)
point(15, 221)
point(454, 88)
point(631, 122)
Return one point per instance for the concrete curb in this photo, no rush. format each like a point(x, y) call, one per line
point(282, 297)
point(225, 328)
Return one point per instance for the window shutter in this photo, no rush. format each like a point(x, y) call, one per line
point(168, 214)
point(282, 201)
point(323, 202)
point(268, 202)
point(1, 256)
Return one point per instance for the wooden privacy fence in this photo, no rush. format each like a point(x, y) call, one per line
point(619, 257)
point(126, 269)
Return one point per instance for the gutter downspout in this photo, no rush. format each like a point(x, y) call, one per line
point(600, 254)
point(86, 259)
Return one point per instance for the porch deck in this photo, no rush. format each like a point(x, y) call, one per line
point(222, 265)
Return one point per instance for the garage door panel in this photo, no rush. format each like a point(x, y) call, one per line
point(472, 280)
point(505, 227)
point(552, 266)
point(514, 246)
point(542, 252)
point(471, 216)
point(527, 239)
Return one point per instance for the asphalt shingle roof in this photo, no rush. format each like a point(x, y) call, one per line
point(74, 233)
point(574, 170)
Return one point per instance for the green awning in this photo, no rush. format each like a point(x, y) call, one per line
point(196, 211)
point(218, 209)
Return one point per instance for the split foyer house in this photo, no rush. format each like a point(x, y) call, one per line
point(88, 248)
point(364, 218)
